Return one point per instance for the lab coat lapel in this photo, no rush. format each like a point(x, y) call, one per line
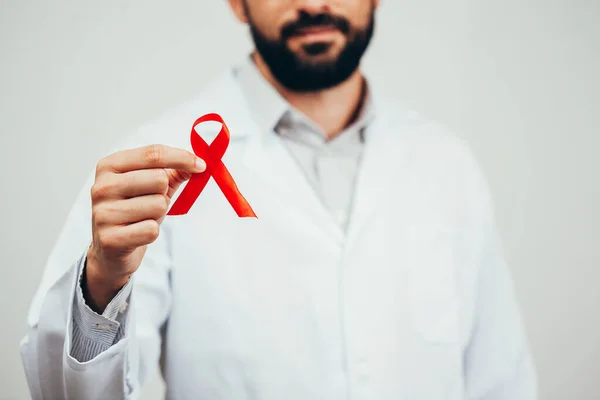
point(272, 168)
point(281, 177)
point(385, 155)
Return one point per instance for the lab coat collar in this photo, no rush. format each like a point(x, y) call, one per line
point(264, 102)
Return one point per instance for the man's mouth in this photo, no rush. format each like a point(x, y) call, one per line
point(316, 33)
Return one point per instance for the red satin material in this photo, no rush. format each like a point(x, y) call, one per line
point(214, 167)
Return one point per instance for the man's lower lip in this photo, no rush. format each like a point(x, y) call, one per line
point(314, 33)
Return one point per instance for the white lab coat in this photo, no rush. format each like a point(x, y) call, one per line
point(413, 302)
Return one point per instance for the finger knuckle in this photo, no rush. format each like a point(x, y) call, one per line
point(162, 180)
point(162, 205)
point(94, 192)
point(107, 241)
point(151, 231)
point(101, 165)
point(96, 216)
point(153, 153)
point(155, 206)
point(100, 190)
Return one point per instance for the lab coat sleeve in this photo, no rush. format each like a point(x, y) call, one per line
point(119, 370)
point(498, 361)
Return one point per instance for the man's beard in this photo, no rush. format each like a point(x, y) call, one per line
point(302, 75)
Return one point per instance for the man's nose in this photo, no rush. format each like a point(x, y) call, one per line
point(313, 6)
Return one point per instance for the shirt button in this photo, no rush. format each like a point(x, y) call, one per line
point(123, 308)
point(104, 327)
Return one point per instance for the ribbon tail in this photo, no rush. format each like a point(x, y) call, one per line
point(227, 185)
point(189, 194)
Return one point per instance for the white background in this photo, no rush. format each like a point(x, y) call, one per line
point(519, 79)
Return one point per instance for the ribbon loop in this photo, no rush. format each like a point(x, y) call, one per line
point(212, 155)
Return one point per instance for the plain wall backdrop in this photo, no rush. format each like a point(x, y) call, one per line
point(519, 79)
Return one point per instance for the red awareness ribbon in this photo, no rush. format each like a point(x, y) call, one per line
point(212, 154)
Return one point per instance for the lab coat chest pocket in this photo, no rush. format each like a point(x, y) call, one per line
point(431, 282)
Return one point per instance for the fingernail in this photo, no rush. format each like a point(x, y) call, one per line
point(200, 165)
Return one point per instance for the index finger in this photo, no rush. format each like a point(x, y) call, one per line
point(153, 156)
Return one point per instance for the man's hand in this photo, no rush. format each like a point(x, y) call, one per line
point(130, 198)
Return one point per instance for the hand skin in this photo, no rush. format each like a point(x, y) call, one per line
point(130, 198)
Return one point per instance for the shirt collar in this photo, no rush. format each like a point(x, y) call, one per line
point(269, 111)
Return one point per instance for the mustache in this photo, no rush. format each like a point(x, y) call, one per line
point(322, 20)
